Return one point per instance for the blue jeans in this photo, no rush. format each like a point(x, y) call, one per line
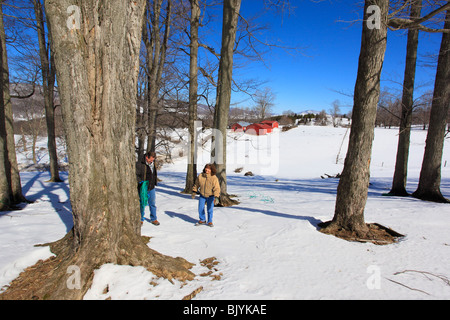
point(151, 204)
point(201, 207)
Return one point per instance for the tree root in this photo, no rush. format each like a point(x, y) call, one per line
point(430, 196)
point(375, 233)
point(226, 201)
point(51, 279)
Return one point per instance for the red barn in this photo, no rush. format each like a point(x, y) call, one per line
point(266, 126)
point(257, 129)
point(273, 124)
point(237, 127)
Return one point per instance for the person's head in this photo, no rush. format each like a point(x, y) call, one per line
point(210, 168)
point(150, 156)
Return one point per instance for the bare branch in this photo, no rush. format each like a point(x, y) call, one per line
point(402, 23)
point(210, 49)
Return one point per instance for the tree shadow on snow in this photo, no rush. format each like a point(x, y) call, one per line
point(181, 216)
point(313, 221)
point(50, 190)
point(170, 190)
point(326, 186)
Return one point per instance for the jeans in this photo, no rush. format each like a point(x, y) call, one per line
point(151, 204)
point(201, 207)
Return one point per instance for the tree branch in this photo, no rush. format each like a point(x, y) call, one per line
point(402, 23)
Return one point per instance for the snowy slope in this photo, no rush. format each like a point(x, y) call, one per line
point(268, 247)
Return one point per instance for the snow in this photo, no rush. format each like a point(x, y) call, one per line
point(268, 246)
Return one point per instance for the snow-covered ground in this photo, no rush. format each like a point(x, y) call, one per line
point(268, 246)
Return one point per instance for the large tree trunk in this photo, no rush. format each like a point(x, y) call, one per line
point(191, 174)
point(230, 20)
point(401, 164)
point(97, 67)
point(354, 182)
point(430, 174)
point(48, 83)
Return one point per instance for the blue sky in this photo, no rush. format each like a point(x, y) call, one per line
point(329, 58)
point(324, 70)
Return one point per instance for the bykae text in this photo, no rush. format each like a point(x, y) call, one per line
point(232, 309)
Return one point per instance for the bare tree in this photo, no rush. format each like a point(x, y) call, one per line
point(15, 181)
point(230, 20)
point(48, 84)
point(422, 112)
point(397, 22)
point(321, 118)
point(354, 182)
point(334, 112)
point(5, 166)
point(264, 100)
point(430, 174)
point(5, 170)
point(34, 125)
point(156, 58)
point(400, 174)
point(389, 109)
point(401, 164)
point(193, 96)
point(429, 183)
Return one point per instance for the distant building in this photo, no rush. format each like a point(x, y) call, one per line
point(267, 127)
point(273, 124)
point(256, 129)
point(237, 128)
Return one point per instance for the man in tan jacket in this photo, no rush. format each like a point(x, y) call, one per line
point(207, 185)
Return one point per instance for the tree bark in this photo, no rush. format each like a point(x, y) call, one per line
point(5, 167)
point(430, 174)
point(230, 20)
point(354, 182)
point(97, 66)
point(401, 164)
point(5, 170)
point(191, 173)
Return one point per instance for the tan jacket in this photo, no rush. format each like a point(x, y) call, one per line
point(207, 185)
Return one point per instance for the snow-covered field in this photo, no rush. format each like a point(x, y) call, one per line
point(268, 246)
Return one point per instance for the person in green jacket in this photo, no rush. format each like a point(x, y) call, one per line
point(147, 177)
